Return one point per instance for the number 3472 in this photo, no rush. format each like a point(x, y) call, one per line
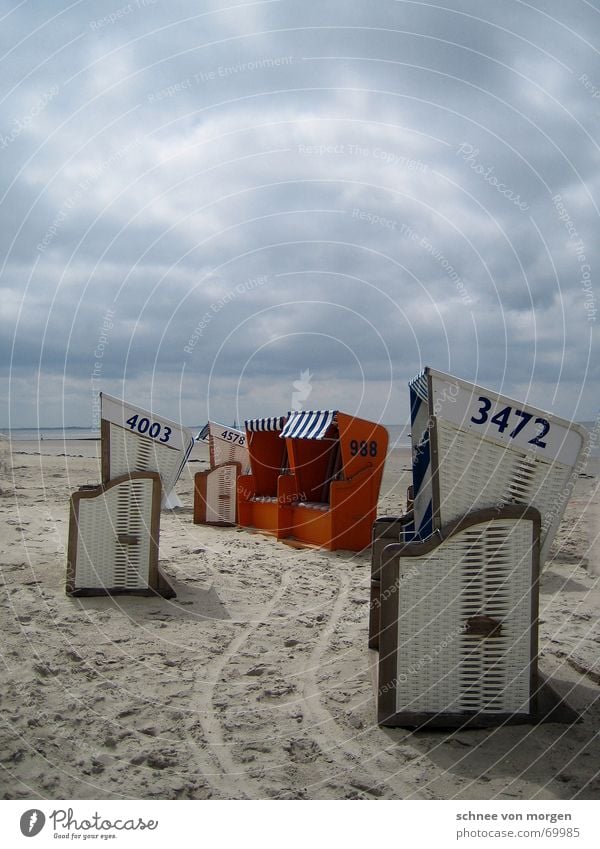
point(517, 420)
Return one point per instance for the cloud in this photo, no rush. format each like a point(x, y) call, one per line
point(389, 175)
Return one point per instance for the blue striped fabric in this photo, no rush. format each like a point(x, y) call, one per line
point(257, 425)
point(188, 451)
point(308, 424)
point(419, 385)
point(203, 435)
point(421, 460)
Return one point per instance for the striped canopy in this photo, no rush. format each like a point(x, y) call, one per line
point(308, 424)
point(273, 423)
point(419, 385)
point(204, 433)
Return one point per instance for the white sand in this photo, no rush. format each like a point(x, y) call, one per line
point(255, 682)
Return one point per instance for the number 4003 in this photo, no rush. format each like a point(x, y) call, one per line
point(143, 425)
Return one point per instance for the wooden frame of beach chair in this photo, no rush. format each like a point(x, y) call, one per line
point(458, 642)
point(387, 530)
point(136, 440)
point(113, 538)
point(329, 499)
point(215, 489)
point(258, 491)
point(472, 449)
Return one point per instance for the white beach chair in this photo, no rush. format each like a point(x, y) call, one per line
point(472, 449)
point(215, 489)
point(136, 440)
point(458, 641)
point(113, 538)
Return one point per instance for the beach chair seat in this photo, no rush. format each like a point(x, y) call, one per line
point(458, 640)
point(113, 538)
point(215, 489)
point(136, 440)
point(336, 464)
point(319, 506)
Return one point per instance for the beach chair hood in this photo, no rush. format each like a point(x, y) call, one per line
point(274, 423)
point(308, 424)
point(134, 439)
point(475, 448)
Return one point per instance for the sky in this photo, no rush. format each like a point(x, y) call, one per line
point(204, 204)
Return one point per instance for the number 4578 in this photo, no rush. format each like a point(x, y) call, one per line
point(501, 420)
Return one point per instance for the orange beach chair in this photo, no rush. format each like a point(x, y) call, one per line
point(257, 492)
point(329, 498)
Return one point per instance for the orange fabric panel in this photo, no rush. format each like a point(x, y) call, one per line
point(267, 455)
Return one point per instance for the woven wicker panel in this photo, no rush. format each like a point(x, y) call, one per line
point(228, 452)
point(132, 452)
point(483, 570)
point(103, 561)
point(478, 473)
point(221, 495)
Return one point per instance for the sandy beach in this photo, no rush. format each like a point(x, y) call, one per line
point(256, 681)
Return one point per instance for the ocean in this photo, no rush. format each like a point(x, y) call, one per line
point(34, 434)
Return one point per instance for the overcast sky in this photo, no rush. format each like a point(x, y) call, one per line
point(200, 203)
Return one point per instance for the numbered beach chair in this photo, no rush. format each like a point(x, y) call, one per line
point(136, 440)
point(257, 492)
point(329, 498)
point(458, 642)
point(114, 529)
point(113, 538)
point(215, 489)
point(472, 449)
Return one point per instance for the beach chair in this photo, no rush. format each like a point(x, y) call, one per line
point(473, 448)
point(113, 538)
point(329, 498)
point(215, 489)
point(136, 440)
point(458, 641)
point(257, 492)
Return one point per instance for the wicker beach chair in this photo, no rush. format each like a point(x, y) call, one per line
point(257, 492)
point(458, 642)
point(113, 538)
point(329, 498)
point(215, 489)
point(473, 449)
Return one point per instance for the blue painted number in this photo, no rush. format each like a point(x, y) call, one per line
point(153, 429)
point(501, 420)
